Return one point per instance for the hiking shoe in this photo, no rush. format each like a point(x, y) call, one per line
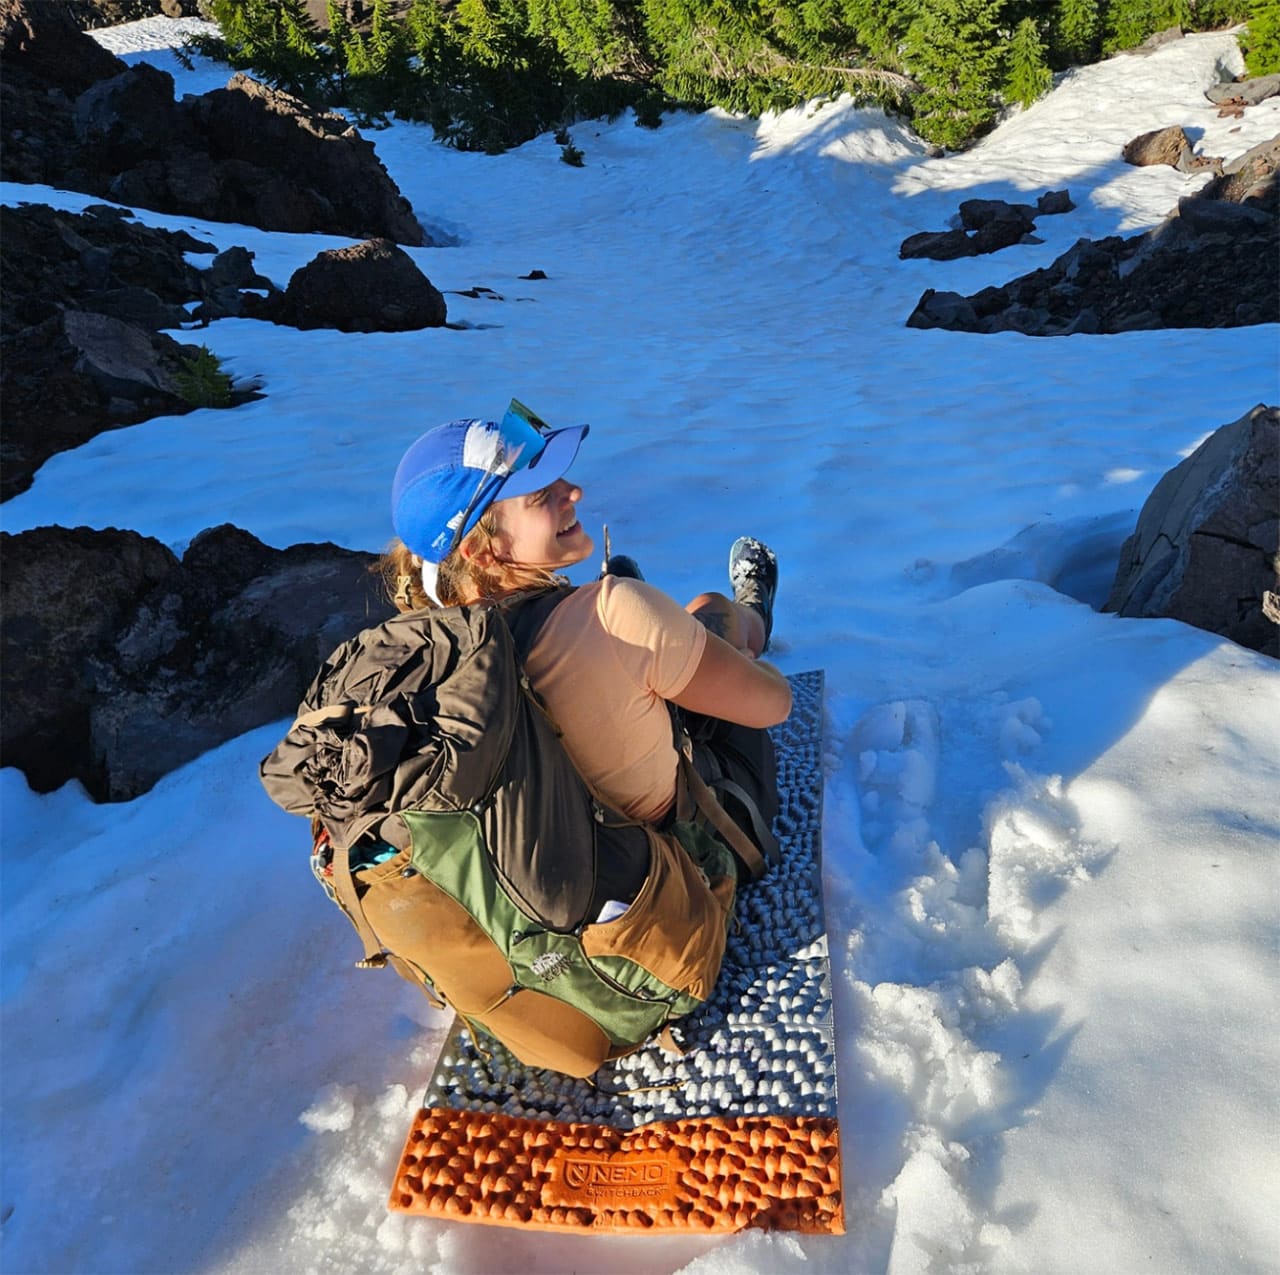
point(622, 566)
point(753, 573)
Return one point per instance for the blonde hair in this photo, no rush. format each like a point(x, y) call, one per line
point(461, 579)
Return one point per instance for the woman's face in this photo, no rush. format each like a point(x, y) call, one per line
point(542, 529)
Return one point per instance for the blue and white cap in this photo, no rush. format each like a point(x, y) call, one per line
point(453, 473)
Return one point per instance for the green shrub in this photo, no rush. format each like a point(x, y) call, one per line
point(1261, 41)
point(202, 382)
point(1211, 14)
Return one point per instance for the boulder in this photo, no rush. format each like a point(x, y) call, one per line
point(1212, 216)
point(1163, 146)
point(1246, 92)
point(1054, 202)
point(75, 375)
point(1208, 538)
point(40, 41)
point(130, 115)
point(986, 225)
point(369, 287)
point(975, 214)
point(1249, 178)
point(119, 663)
point(123, 360)
point(937, 245)
point(943, 310)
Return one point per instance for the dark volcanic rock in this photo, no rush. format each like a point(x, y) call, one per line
point(74, 375)
point(50, 260)
point(80, 352)
point(986, 225)
point(120, 663)
point(91, 14)
point(1205, 550)
point(1249, 178)
point(74, 116)
point(42, 41)
point(369, 287)
point(937, 245)
point(46, 61)
point(296, 168)
point(1215, 263)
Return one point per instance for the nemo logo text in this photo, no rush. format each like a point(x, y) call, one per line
point(615, 1173)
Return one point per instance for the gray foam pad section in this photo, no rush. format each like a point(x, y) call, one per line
point(764, 1044)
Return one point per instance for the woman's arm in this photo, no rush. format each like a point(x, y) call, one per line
point(736, 688)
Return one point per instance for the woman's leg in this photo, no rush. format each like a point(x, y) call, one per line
point(741, 626)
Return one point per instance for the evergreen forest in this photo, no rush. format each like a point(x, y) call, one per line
point(490, 74)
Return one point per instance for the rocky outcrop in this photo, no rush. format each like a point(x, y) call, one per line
point(101, 260)
point(369, 287)
point(42, 42)
point(46, 62)
point(1207, 547)
point(1214, 263)
point(80, 347)
point(1247, 179)
point(986, 225)
point(91, 14)
point(118, 662)
point(74, 116)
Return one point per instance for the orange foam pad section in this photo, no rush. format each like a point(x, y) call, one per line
point(697, 1175)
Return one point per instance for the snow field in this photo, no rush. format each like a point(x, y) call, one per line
point(1049, 835)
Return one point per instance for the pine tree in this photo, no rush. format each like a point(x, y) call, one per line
point(879, 28)
point(953, 50)
point(1076, 30)
point(1129, 22)
point(1261, 41)
point(1027, 76)
point(596, 37)
point(1210, 15)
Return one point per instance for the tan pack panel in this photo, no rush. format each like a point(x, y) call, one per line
point(423, 925)
point(675, 928)
point(545, 1032)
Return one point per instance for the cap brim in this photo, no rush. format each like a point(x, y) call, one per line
point(552, 462)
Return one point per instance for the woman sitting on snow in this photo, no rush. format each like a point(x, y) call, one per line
point(484, 512)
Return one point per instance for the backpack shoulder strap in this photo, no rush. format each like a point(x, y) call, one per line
point(526, 613)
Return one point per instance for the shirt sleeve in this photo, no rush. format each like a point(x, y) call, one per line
point(658, 643)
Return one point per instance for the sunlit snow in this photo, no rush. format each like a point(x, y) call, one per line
point(1051, 840)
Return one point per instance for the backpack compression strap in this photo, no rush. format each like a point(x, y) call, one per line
point(715, 813)
point(344, 889)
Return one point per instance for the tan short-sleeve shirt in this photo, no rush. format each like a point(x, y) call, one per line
point(606, 660)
